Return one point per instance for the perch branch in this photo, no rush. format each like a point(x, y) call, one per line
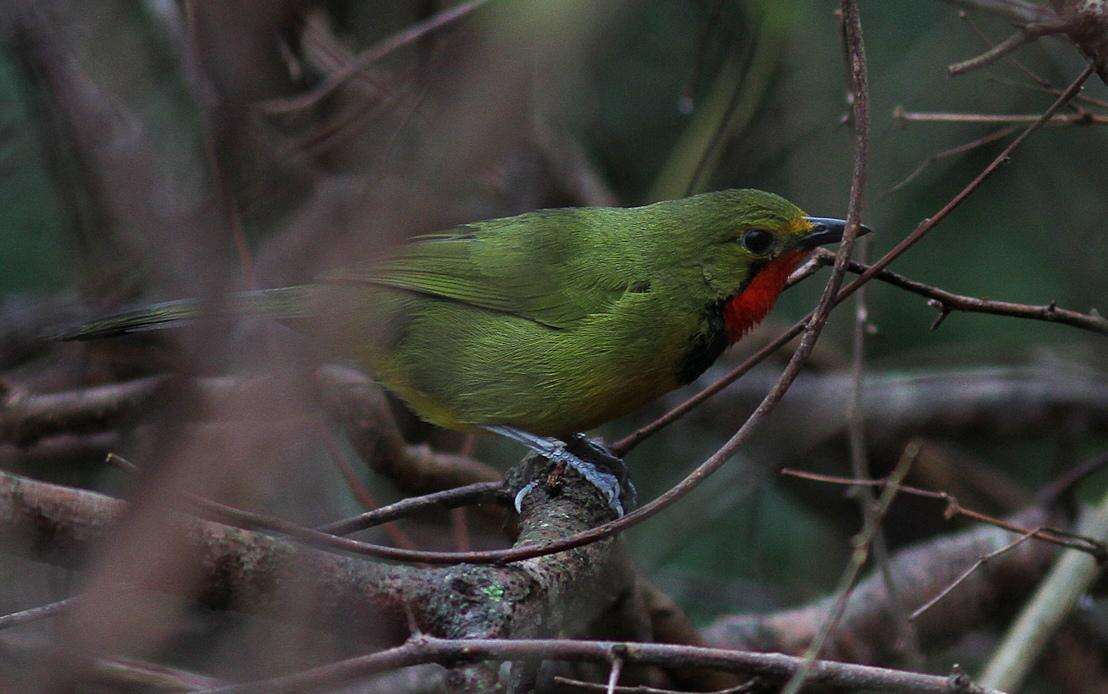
point(250, 572)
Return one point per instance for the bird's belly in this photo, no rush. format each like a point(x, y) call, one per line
point(460, 367)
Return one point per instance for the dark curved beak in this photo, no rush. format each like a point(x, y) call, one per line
point(827, 230)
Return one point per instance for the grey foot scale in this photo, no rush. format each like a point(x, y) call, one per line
point(575, 454)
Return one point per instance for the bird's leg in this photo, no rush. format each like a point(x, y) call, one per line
point(595, 450)
point(557, 451)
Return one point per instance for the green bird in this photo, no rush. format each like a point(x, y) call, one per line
point(549, 323)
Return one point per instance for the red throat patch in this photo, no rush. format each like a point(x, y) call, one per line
point(747, 309)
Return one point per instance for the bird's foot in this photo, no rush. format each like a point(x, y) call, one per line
point(584, 455)
point(594, 450)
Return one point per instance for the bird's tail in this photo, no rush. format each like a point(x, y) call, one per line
point(286, 303)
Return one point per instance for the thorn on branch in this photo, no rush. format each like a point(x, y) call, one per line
point(943, 310)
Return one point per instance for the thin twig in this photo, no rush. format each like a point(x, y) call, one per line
point(360, 490)
point(862, 543)
point(851, 24)
point(1018, 11)
point(1050, 89)
point(744, 688)
point(949, 301)
point(981, 561)
point(1083, 118)
point(36, 613)
point(773, 667)
point(994, 54)
point(251, 520)
point(859, 462)
point(954, 508)
point(447, 499)
point(946, 153)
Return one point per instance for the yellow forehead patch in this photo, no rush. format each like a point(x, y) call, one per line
point(799, 225)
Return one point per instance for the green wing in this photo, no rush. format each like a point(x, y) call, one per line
point(554, 267)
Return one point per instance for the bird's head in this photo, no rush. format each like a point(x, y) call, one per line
point(748, 243)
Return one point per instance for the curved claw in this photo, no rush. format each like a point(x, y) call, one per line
point(522, 493)
point(576, 454)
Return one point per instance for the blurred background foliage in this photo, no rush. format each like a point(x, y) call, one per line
point(638, 90)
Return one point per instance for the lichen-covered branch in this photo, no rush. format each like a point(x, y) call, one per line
point(250, 571)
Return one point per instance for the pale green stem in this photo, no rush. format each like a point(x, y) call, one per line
point(1072, 575)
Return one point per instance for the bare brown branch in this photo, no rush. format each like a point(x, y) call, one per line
point(949, 301)
point(771, 667)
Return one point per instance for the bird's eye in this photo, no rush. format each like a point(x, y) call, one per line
point(757, 241)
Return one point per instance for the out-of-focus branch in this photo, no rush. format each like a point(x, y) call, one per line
point(59, 525)
point(358, 404)
point(371, 55)
point(349, 397)
point(129, 212)
point(866, 635)
point(952, 403)
point(995, 135)
point(35, 613)
point(119, 673)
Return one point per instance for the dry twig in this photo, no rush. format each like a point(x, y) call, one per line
point(862, 544)
point(772, 667)
point(947, 302)
point(1062, 538)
